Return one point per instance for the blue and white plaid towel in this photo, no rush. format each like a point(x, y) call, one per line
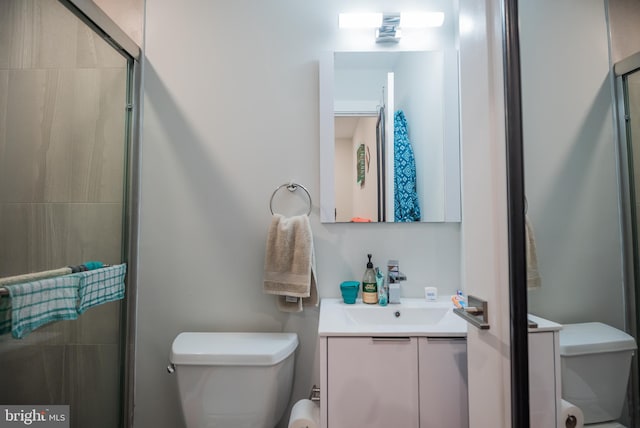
point(5, 315)
point(36, 303)
point(101, 286)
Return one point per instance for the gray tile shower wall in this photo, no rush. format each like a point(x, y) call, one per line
point(58, 142)
point(62, 155)
point(47, 235)
point(43, 34)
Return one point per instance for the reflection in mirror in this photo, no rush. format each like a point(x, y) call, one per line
point(376, 171)
point(359, 187)
point(574, 159)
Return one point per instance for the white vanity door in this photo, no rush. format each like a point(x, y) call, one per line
point(443, 382)
point(543, 385)
point(372, 382)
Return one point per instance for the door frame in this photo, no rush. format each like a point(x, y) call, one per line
point(493, 244)
point(89, 13)
point(518, 306)
point(629, 216)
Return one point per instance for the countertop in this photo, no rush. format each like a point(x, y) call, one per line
point(336, 319)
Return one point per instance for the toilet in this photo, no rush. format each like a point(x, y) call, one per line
point(233, 380)
point(595, 362)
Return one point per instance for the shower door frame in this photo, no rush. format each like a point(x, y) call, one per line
point(629, 217)
point(89, 13)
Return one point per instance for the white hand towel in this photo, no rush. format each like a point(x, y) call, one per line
point(533, 276)
point(289, 267)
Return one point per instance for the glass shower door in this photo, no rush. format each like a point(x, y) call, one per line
point(631, 202)
point(63, 163)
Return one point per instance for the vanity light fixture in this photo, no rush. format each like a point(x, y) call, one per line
point(359, 20)
point(421, 19)
point(389, 25)
point(389, 30)
point(375, 20)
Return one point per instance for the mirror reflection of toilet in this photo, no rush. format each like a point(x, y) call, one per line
point(234, 380)
point(595, 366)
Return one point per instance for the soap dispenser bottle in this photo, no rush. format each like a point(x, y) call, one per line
point(369, 286)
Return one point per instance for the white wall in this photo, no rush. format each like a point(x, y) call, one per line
point(231, 112)
point(570, 161)
point(425, 75)
point(359, 91)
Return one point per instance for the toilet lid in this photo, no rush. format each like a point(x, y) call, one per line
point(593, 338)
point(236, 349)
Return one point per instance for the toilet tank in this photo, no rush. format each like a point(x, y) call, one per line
point(595, 365)
point(234, 379)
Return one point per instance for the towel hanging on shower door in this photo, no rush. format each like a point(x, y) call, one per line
point(406, 207)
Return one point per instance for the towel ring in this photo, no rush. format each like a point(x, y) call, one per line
point(292, 187)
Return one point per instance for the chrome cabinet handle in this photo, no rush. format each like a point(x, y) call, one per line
point(476, 313)
point(391, 339)
point(446, 338)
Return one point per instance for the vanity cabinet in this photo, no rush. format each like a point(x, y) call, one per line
point(442, 370)
point(382, 382)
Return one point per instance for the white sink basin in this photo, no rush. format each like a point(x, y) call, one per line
point(372, 315)
point(415, 317)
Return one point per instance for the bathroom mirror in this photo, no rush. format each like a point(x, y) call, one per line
point(361, 94)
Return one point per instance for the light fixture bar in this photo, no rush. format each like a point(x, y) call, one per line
point(421, 19)
point(359, 20)
point(375, 19)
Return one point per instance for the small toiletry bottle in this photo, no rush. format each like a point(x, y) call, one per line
point(383, 299)
point(461, 298)
point(369, 286)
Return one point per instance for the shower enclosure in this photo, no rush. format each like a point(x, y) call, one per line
point(66, 150)
point(628, 87)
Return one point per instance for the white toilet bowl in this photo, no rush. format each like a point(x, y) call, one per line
point(234, 380)
point(595, 366)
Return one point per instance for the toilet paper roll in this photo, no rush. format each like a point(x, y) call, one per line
point(305, 414)
point(571, 415)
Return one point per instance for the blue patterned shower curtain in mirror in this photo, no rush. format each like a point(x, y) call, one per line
point(63, 144)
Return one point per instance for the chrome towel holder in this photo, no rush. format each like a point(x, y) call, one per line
point(292, 187)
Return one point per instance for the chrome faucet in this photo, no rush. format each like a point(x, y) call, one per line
point(394, 276)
